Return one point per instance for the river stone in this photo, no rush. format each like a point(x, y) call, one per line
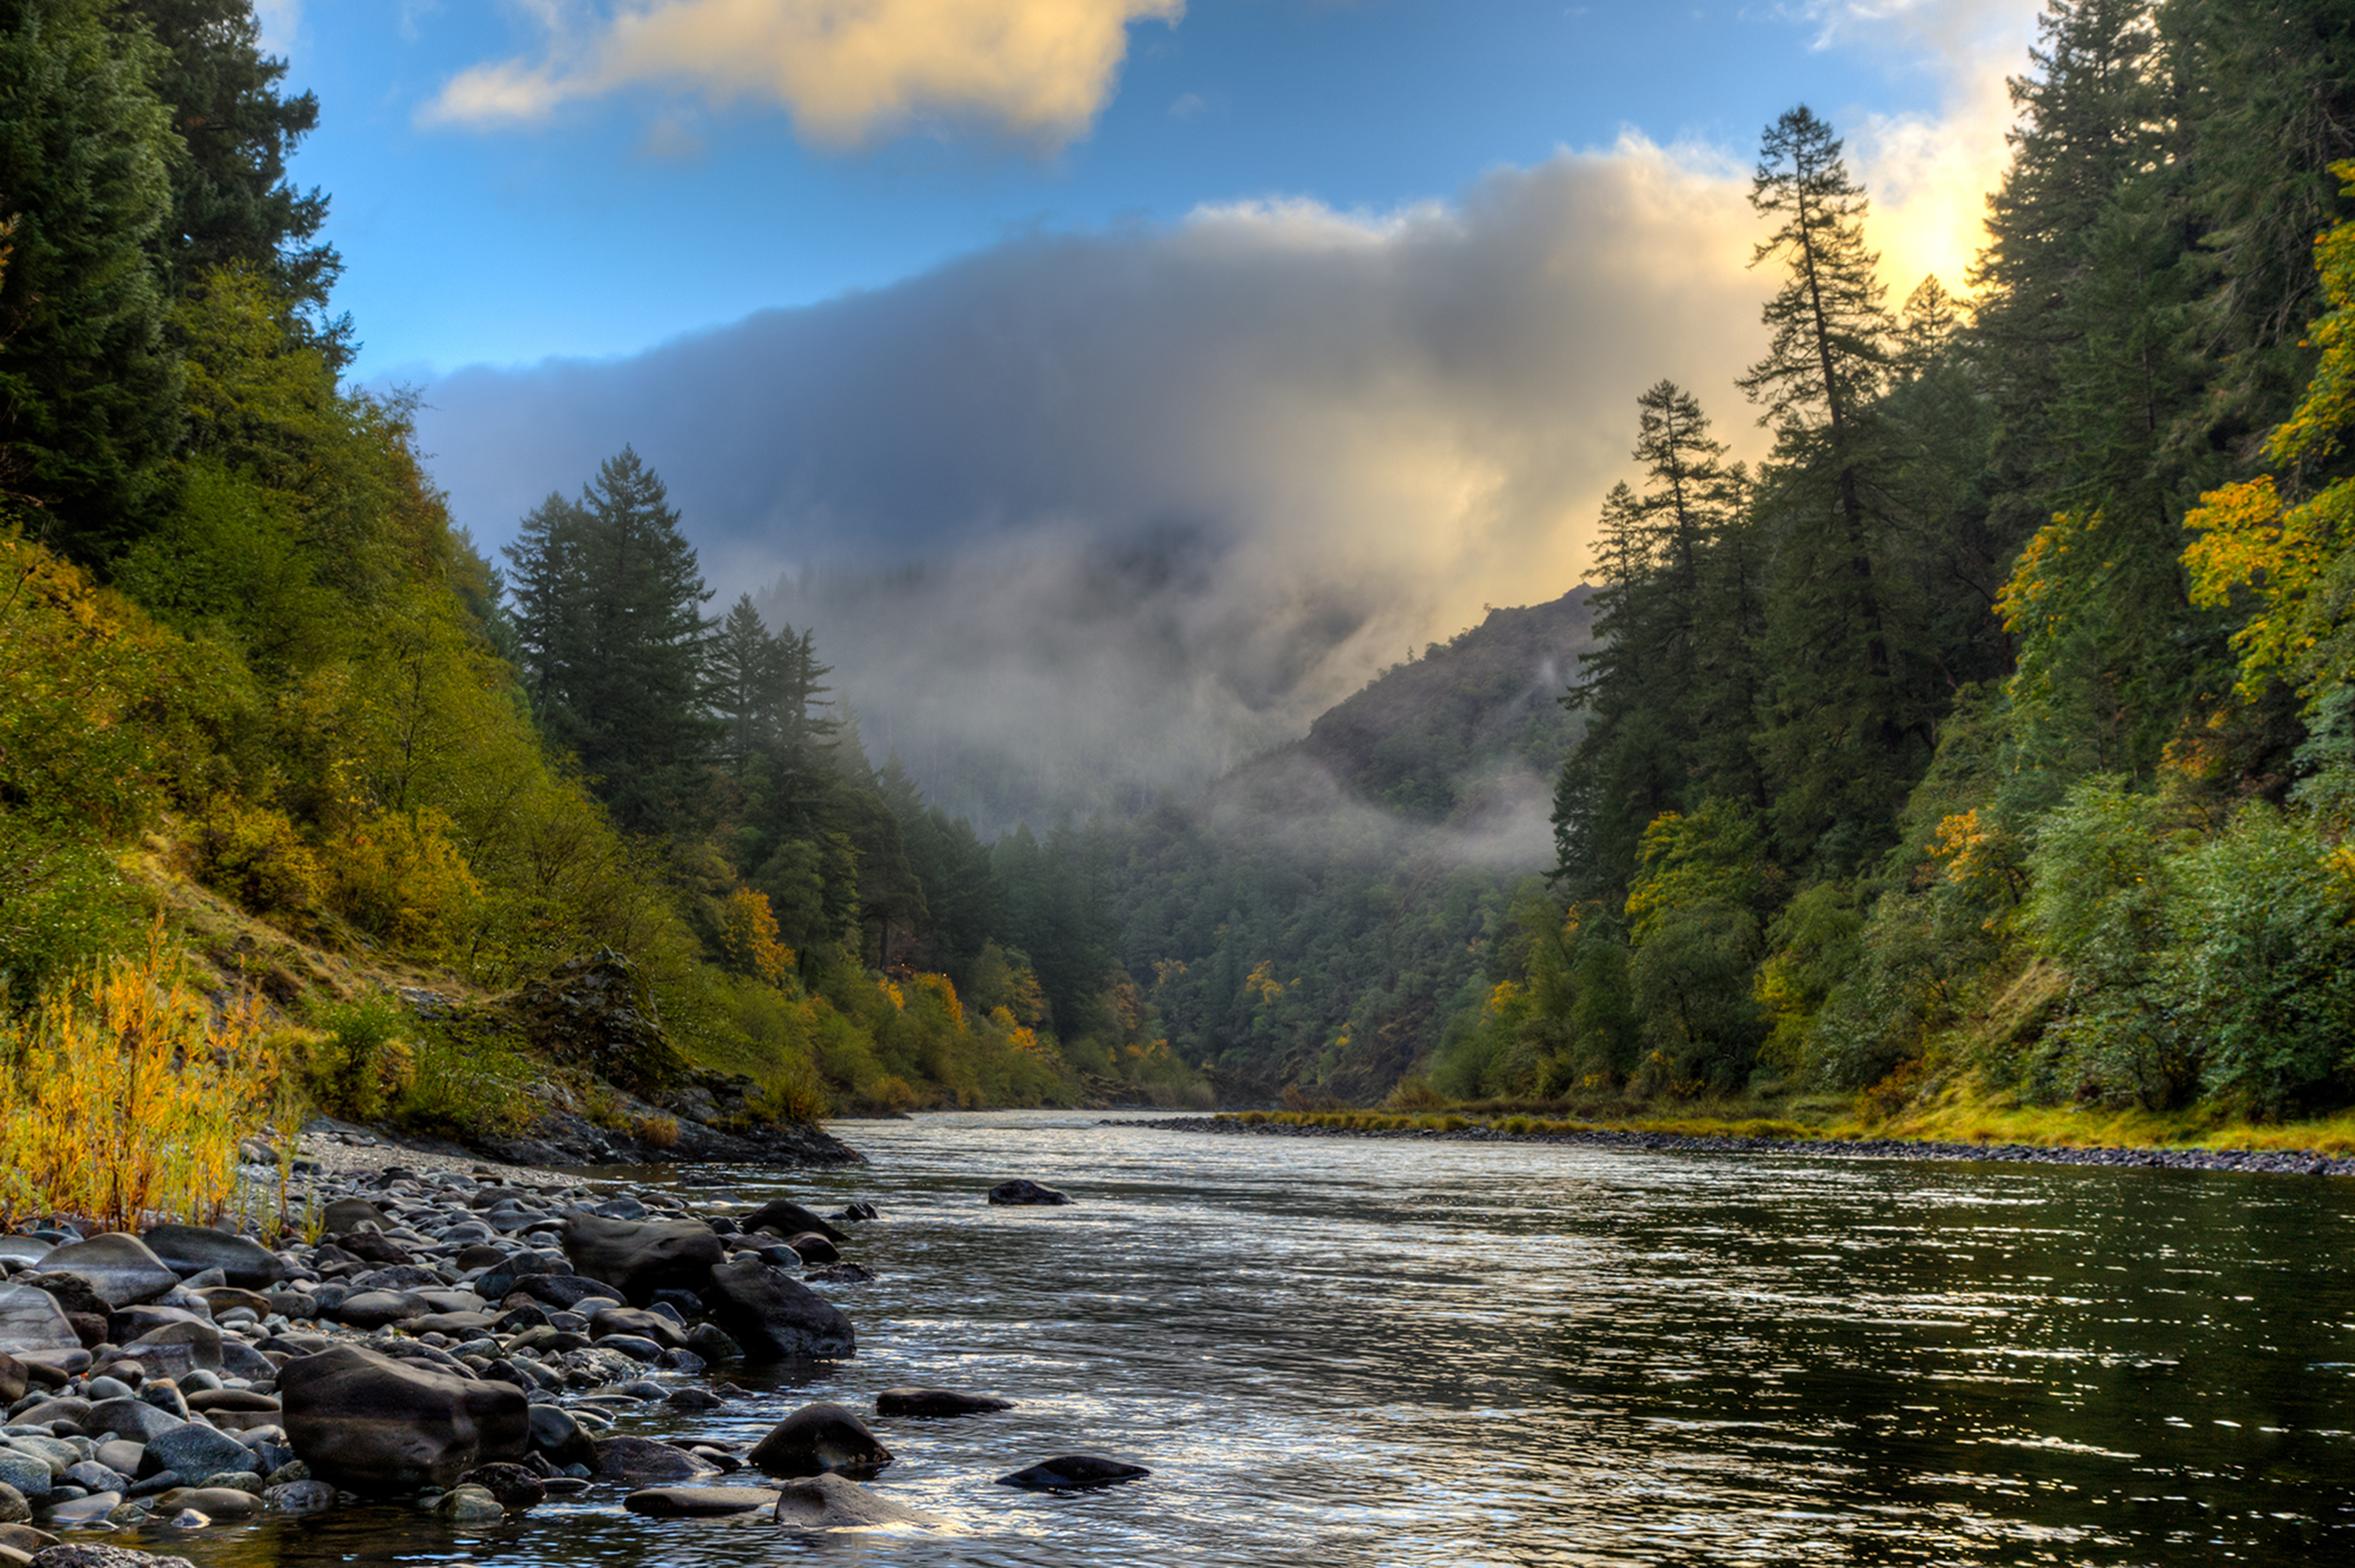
point(558, 1437)
point(93, 1477)
point(789, 1219)
point(641, 1256)
point(84, 1509)
point(194, 1449)
point(643, 1462)
point(497, 1282)
point(514, 1486)
point(29, 1474)
point(637, 1322)
point(375, 1426)
point(25, 1250)
point(699, 1503)
point(14, 1508)
point(812, 1247)
point(300, 1496)
point(817, 1438)
point(775, 1316)
point(375, 1308)
point(347, 1214)
point(191, 1249)
point(1073, 1473)
point(220, 1503)
point(469, 1505)
point(31, 1319)
point(563, 1291)
point(118, 1266)
point(713, 1343)
point(1024, 1192)
point(77, 1554)
point(202, 1343)
point(936, 1402)
point(13, 1379)
point(140, 1420)
point(836, 1503)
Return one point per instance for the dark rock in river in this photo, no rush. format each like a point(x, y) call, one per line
point(196, 1451)
point(75, 1555)
point(642, 1256)
point(191, 1249)
point(699, 1503)
point(559, 1438)
point(1073, 1473)
point(812, 1247)
point(514, 1485)
point(775, 1316)
point(817, 1438)
point(1022, 1193)
point(13, 1378)
point(936, 1402)
point(643, 1462)
point(787, 1218)
point(835, 1502)
point(640, 1323)
point(375, 1426)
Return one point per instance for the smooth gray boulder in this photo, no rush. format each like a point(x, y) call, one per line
point(118, 1266)
point(835, 1502)
point(558, 1437)
point(140, 1420)
point(14, 1508)
point(202, 1341)
point(376, 1425)
point(195, 1450)
point(191, 1249)
point(347, 1214)
point(31, 1319)
point(642, 1256)
point(29, 1474)
point(637, 1322)
point(699, 1503)
point(936, 1402)
point(375, 1308)
point(817, 1438)
point(812, 1247)
point(775, 1316)
point(643, 1462)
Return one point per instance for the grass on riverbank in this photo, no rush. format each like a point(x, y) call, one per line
point(1961, 1112)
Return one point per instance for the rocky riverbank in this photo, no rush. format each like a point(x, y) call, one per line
point(461, 1340)
point(2298, 1162)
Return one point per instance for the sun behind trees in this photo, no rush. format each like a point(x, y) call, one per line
point(2036, 798)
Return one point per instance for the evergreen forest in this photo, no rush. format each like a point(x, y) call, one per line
point(1990, 740)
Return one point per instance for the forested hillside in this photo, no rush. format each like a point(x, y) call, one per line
point(1992, 738)
point(254, 685)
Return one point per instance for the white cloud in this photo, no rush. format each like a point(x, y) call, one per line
point(846, 70)
point(281, 21)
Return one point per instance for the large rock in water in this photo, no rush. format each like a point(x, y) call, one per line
point(936, 1402)
point(643, 1462)
point(817, 1438)
point(118, 1266)
point(191, 1249)
point(835, 1502)
point(788, 1218)
point(775, 1316)
point(642, 1256)
point(31, 1319)
point(1074, 1473)
point(1024, 1192)
point(376, 1425)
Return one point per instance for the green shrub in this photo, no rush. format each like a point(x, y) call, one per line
point(367, 1060)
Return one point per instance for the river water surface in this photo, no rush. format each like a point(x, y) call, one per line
point(1341, 1351)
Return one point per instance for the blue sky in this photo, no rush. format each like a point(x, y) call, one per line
point(627, 216)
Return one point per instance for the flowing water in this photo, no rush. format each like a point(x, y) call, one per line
point(1334, 1352)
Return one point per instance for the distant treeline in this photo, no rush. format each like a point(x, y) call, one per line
point(2001, 723)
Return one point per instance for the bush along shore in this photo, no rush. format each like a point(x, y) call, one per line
point(2274, 1161)
point(456, 1340)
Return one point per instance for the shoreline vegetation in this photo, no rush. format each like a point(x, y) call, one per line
point(1763, 1134)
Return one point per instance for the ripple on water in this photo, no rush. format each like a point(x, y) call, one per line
point(1388, 1352)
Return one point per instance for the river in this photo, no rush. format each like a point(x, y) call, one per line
point(1333, 1352)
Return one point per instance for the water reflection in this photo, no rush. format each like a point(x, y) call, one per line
point(1339, 1353)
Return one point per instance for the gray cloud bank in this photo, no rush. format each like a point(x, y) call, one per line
point(1082, 517)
